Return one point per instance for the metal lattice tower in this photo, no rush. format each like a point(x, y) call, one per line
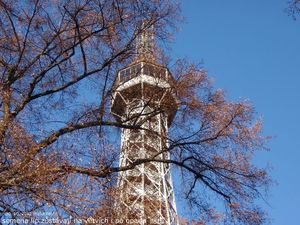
point(143, 97)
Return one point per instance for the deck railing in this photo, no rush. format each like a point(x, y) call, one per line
point(143, 68)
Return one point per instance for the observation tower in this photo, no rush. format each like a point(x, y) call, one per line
point(144, 98)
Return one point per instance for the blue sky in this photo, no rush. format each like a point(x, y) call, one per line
point(252, 50)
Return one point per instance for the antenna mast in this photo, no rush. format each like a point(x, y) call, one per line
point(145, 43)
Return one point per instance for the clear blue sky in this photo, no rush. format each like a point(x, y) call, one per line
point(252, 50)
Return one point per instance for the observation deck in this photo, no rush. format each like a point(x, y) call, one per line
point(144, 80)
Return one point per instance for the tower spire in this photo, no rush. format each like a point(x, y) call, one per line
point(145, 43)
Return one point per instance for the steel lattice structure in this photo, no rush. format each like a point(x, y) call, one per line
point(143, 97)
